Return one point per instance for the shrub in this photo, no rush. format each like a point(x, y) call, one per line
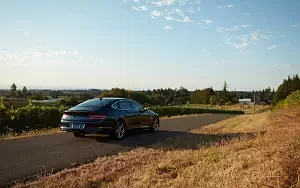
point(30, 118)
point(290, 100)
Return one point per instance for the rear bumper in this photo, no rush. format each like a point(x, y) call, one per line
point(105, 130)
point(99, 127)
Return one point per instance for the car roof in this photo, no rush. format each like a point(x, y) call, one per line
point(115, 99)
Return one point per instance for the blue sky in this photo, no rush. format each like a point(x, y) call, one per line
point(144, 44)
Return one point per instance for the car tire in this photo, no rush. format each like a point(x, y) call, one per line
point(120, 131)
point(155, 125)
point(79, 135)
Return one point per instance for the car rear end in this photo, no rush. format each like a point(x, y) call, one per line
point(90, 117)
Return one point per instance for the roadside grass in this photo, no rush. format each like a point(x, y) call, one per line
point(24, 134)
point(248, 109)
point(261, 150)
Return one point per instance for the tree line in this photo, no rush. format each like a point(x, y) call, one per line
point(165, 96)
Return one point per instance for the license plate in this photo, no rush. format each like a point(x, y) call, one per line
point(77, 126)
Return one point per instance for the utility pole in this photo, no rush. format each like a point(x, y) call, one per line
point(254, 100)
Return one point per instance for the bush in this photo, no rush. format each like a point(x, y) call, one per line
point(293, 98)
point(30, 118)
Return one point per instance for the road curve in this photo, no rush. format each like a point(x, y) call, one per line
point(27, 157)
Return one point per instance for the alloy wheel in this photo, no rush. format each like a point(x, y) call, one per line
point(120, 130)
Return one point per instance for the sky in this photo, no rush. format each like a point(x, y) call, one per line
point(147, 44)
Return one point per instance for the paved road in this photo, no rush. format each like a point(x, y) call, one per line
point(26, 157)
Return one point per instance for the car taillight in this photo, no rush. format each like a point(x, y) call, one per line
point(96, 117)
point(65, 116)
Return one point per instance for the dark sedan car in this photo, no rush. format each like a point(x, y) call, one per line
point(112, 116)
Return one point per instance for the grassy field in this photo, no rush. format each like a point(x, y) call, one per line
point(261, 150)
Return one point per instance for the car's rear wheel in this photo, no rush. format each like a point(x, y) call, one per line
point(120, 131)
point(155, 125)
point(79, 134)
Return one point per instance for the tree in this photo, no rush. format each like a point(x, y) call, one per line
point(225, 86)
point(286, 88)
point(115, 92)
point(138, 96)
point(213, 100)
point(39, 96)
point(13, 89)
point(202, 96)
point(224, 96)
point(25, 93)
point(19, 94)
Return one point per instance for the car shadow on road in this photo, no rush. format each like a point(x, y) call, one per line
point(170, 140)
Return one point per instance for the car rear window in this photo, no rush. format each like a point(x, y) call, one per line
point(93, 103)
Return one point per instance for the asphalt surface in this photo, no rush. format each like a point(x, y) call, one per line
point(25, 158)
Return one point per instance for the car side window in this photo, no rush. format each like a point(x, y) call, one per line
point(124, 105)
point(136, 106)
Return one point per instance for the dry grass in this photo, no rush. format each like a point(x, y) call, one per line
point(270, 159)
point(31, 133)
point(248, 109)
point(180, 116)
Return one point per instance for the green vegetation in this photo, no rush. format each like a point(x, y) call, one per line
point(32, 117)
point(209, 96)
point(28, 118)
point(286, 88)
point(291, 100)
point(154, 97)
point(18, 98)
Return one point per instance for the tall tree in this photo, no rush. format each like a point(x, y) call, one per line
point(25, 94)
point(225, 86)
point(13, 89)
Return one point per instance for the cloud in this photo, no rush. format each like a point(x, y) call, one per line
point(168, 27)
point(205, 22)
point(231, 29)
point(256, 36)
point(155, 14)
point(136, 1)
point(241, 42)
point(140, 8)
point(186, 19)
point(178, 11)
point(123, 2)
point(135, 8)
point(99, 60)
point(226, 6)
point(191, 11)
point(8, 55)
point(206, 51)
point(241, 45)
point(143, 8)
point(26, 33)
point(273, 47)
point(74, 52)
point(172, 18)
point(163, 2)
